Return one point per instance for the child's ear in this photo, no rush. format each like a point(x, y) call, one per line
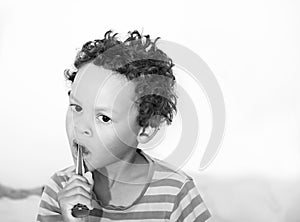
point(146, 134)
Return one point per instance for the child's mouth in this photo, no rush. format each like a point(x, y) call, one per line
point(85, 151)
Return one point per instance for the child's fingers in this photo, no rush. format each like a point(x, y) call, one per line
point(69, 197)
point(75, 176)
point(89, 176)
point(77, 190)
point(68, 202)
point(77, 180)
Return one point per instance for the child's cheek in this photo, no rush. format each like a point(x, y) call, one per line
point(69, 122)
point(125, 134)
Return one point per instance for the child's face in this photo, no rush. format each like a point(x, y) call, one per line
point(106, 135)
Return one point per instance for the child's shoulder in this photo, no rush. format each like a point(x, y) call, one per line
point(166, 171)
point(58, 179)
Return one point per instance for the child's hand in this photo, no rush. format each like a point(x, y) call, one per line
point(77, 190)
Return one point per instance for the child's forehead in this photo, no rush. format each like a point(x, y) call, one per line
point(97, 82)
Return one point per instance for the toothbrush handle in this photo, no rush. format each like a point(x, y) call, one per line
point(80, 210)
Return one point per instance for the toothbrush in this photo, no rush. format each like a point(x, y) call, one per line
point(80, 210)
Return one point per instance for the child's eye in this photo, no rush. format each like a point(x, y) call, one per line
point(76, 107)
point(103, 118)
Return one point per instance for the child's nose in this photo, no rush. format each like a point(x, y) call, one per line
point(83, 130)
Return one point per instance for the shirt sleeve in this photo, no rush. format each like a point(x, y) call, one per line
point(189, 206)
point(49, 210)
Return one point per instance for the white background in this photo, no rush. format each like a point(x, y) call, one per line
point(252, 47)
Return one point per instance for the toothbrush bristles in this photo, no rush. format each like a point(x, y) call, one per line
point(79, 162)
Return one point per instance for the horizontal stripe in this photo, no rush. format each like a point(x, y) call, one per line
point(190, 196)
point(49, 207)
point(135, 215)
point(162, 166)
point(188, 188)
point(153, 207)
point(55, 184)
point(151, 198)
point(187, 199)
point(190, 209)
point(49, 218)
point(198, 212)
point(96, 219)
point(143, 207)
point(96, 212)
point(45, 212)
point(203, 217)
point(50, 193)
point(198, 204)
point(168, 175)
point(162, 190)
point(166, 182)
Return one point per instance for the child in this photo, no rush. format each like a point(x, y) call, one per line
point(121, 92)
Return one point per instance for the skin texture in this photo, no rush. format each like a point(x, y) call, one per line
point(110, 139)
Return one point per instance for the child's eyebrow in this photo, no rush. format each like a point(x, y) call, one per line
point(107, 109)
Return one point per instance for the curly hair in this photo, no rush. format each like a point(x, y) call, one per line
point(141, 62)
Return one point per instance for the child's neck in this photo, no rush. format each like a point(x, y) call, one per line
point(112, 178)
point(122, 171)
point(117, 170)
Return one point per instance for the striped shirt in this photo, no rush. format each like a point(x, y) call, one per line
point(169, 195)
